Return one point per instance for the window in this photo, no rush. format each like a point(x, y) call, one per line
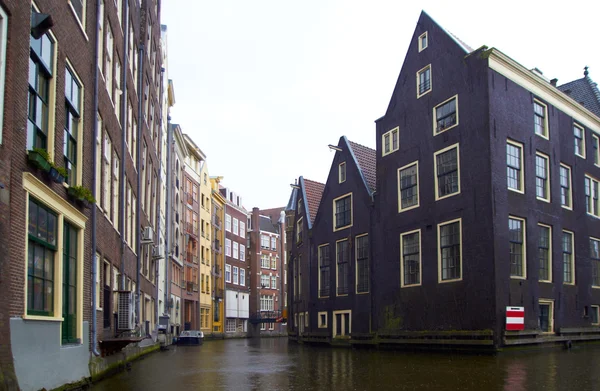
point(42, 246)
point(78, 7)
point(546, 315)
point(236, 280)
point(227, 223)
point(300, 205)
point(424, 81)
point(342, 172)
point(449, 254)
point(362, 264)
point(264, 281)
point(227, 273)
point(390, 141)
point(264, 241)
point(446, 115)
point(299, 230)
point(322, 316)
point(595, 260)
point(595, 143)
point(106, 164)
point(408, 187)
point(228, 247)
point(579, 135)
point(41, 68)
point(447, 172)
point(242, 277)
point(236, 226)
point(324, 270)
point(273, 263)
point(423, 41)
point(242, 229)
point(98, 152)
point(514, 166)
point(342, 256)
point(273, 243)
point(273, 282)
point(116, 189)
point(591, 196)
point(410, 258)
point(117, 90)
point(242, 253)
point(342, 326)
point(264, 261)
point(568, 258)
point(236, 250)
point(108, 61)
point(594, 315)
point(69, 296)
point(342, 217)
point(545, 252)
point(542, 177)
point(516, 237)
point(230, 326)
point(566, 197)
point(266, 303)
point(540, 117)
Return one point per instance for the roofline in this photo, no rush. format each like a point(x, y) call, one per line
point(454, 38)
point(516, 72)
point(360, 170)
point(196, 151)
point(305, 202)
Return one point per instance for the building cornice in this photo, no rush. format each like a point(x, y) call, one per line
point(522, 76)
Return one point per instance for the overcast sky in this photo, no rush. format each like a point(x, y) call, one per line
point(264, 86)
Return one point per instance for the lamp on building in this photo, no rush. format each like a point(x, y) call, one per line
point(333, 147)
point(294, 186)
point(40, 24)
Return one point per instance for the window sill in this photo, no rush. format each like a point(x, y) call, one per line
point(408, 208)
point(543, 136)
point(517, 278)
point(43, 318)
point(342, 228)
point(437, 198)
point(423, 94)
point(542, 199)
point(567, 207)
point(449, 281)
point(581, 156)
point(516, 190)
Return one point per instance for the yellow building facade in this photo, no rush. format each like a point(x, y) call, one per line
point(217, 209)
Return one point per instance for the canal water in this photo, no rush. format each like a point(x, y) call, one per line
point(275, 364)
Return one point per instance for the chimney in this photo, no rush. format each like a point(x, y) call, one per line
point(554, 81)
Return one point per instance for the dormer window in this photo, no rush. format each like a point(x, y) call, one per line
point(423, 41)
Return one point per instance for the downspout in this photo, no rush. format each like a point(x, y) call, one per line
point(94, 179)
point(168, 215)
point(123, 178)
point(138, 187)
point(159, 187)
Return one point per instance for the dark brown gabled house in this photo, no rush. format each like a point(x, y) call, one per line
point(486, 198)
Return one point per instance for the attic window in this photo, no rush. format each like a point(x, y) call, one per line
point(423, 41)
point(342, 172)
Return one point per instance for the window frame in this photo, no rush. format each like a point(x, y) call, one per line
point(390, 133)
point(299, 231)
point(550, 303)
point(521, 169)
point(591, 203)
point(583, 146)
point(460, 234)
point(420, 43)
point(321, 266)
point(422, 70)
point(435, 121)
point(403, 283)
point(335, 200)
point(368, 261)
point(79, 129)
point(547, 197)
point(569, 204)
point(572, 256)
point(435, 171)
point(400, 208)
point(342, 172)
point(524, 248)
point(81, 23)
point(550, 260)
point(596, 308)
point(228, 266)
point(334, 324)
point(595, 145)
point(546, 128)
point(597, 263)
point(337, 268)
point(322, 325)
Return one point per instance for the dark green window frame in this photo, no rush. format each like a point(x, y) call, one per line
point(41, 57)
point(72, 118)
point(69, 292)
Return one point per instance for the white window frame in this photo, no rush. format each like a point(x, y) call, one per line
point(422, 70)
point(420, 41)
point(524, 244)
point(227, 273)
point(236, 250)
point(546, 134)
point(242, 253)
point(342, 312)
point(342, 172)
point(547, 197)
point(400, 208)
point(242, 276)
point(403, 283)
point(435, 130)
point(550, 260)
point(594, 207)
point(236, 275)
point(576, 125)
point(390, 134)
point(242, 229)
point(322, 325)
point(551, 315)
point(335, 228)
point(568, 205)
point(572, 260)
point(227, 247)
point(597, 151)
point(435, 173)
point(236, 227)
point(521, 169)
point(227, 223)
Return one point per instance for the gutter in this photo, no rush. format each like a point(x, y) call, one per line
point(138, 187)
point(123, 178)
point(168, 215)
point(159, 187)
point(94, 179)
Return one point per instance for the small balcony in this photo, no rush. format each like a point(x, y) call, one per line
point(217, 246)
point(218, 294)
point(216, 271)
point(216, 221)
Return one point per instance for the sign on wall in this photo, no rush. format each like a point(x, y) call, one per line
point(515, 318)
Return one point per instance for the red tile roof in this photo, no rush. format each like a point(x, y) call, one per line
point(314, 192)
point(366, 158)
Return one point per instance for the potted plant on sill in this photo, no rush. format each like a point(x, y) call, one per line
point(58, 174)
point(40, 158)
point(82, 194)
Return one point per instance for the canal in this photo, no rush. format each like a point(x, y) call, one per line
point(275, 364)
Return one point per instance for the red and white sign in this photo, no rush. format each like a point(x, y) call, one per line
point(515, 318)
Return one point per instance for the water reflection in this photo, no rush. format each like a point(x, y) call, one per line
point(273, 364)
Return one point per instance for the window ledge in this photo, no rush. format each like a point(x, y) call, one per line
point(43, 318)
point(516, 190)
point(517, 278)
point(542, 199)
point(449, 281)
point(78, 21)
point(542, 136)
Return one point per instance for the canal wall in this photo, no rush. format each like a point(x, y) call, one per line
point(101, 367)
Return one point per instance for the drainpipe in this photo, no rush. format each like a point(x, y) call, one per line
point(94, 179)
point(123, 177)
point(159, 187)
point(167, 213)
point(139, 200)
